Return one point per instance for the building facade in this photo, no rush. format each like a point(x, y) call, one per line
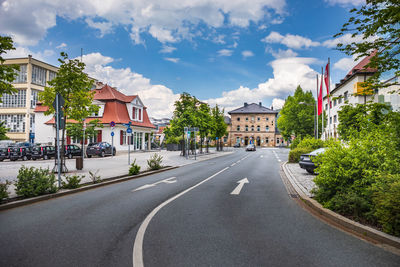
point(17, 110)
point(115, 107)
point(254, 124)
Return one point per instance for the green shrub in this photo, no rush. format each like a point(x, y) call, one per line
point(154, 162)
point(295, 143)
point(33, 182)
point(134, 169)
point(3, 190)
point(386, 198)
point(311, 143)
point(72, 181)
point(94, 177)
point(294, 154)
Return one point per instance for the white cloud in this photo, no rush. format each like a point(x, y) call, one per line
point(278, 103)
point(346, 63)
point(62, 45)
point(158, 98)
point(247, 53)
point(345, 39)
point(172, 59)
point(167, 49)
point(20, 52)
point(225, 53)
point(290, 40)
point(346, 2)
point(281, 53)
point(167, 20)
point(288, 74)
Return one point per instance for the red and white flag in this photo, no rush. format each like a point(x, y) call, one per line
point(320, 97)
point(326, 78)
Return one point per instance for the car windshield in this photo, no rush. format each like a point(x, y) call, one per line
point(318, 151)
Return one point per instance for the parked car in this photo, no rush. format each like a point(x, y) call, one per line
point(43, 151)
point(13, 153)
point(25, 153)
point(251, 147)
point(236, 145)
point(3, 153)
point(306, 160)
point(100, 149)
point(72, 150)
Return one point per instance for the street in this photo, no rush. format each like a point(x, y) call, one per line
point(228, 211)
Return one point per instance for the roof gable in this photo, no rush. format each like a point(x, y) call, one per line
point(252, 108)
point(109, 93)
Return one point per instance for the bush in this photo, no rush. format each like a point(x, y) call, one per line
point(72, 181)
point(134, 169)
point(94, 177)
point(3, 190)
point(154, 162)
point(295, 143)
point(33, 182)
point(294, 154)
point(386, 198)
point(311, 143)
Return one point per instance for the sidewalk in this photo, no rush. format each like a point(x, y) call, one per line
point(303, 179)
point(107, 167)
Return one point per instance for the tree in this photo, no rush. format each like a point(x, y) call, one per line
point(75, 130)
point(7, 72)
point(378, 23)
point(3, 131)
point(218, 127)
point(204, 122)
point(75, 87)
point(296, 118)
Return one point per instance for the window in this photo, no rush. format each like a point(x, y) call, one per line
point(21, 75)
point(252, 119)
point(345, 96)
point(326, 106)
point(252, 128)
point(34, 98)
point(247, 128)
point(334, 102)
point(340, 100)
point(38, 75)
point(247, 118)
point(14, 100)
point(237, 140)
point(225, 139)
point(52, 75)
point(266, 118)
point(267, 128)
point(15, 122)
point(277, 140)
point(258, 128)
point(123, 137)
point(266, 140)
point(330, 120)
point(32, 123)
point(238, 128)
point(238, 119)
point(258, 118)
point(334, 118)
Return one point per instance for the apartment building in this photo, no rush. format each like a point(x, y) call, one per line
point(17, 110)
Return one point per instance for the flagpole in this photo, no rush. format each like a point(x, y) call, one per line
point(316, 107)
point(329, 98)
point(322, 108)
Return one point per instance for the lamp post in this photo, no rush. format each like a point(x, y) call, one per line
point(315, 121)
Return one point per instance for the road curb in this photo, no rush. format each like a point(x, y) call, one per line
point(108, 181)
point(362, 230)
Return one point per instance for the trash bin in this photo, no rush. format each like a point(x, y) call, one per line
point(79, 163)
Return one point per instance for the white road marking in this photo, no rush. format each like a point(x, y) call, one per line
point(261, 156)
point(233, 164)
point(238, 188)
point(167, 181)
point(238, 161)
point(138, 245)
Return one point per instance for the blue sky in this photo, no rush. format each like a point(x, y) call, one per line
point(222, 51)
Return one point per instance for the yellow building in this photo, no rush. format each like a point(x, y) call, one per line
point(17, 110)
point(254, 124)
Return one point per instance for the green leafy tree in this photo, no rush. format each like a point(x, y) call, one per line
point(75, 130)
point(204, 122)
point(297, 115)
point(218, 127)
point(75, 87)
point(7, 72)
point(377, 21)
point(3, 131)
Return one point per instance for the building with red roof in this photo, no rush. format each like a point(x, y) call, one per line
point(114, 107)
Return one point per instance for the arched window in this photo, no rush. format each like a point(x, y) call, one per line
point(238, 128)
point(258, 128)
point(252, 128)
point(247, 128)
point(266, 128)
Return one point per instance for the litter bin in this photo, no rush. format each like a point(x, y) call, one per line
point(79, 163)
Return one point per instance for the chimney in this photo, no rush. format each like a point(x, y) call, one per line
point(260, 104)
point(245, 104)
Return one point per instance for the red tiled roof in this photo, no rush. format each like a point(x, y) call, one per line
point(41, 108)
point(108, 93)
point(360, 67)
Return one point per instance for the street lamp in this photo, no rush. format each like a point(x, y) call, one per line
point(315, 121)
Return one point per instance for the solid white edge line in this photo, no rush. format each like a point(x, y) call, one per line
point(233, 164)
point(138, 245)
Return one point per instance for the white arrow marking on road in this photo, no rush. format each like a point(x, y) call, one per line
point(261, 156)
point(167, 181)
point(238, 188)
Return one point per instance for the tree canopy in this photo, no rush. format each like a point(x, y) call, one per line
point(7, 72)
point(377, 22)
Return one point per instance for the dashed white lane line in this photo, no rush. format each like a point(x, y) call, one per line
point(138, 245)
point(233, 164)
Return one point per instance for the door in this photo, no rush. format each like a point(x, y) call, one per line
point(246, 141)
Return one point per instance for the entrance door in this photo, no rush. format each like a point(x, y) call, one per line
point(258, 141)
point(246, 141)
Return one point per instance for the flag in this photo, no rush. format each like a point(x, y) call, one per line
point(320, 98)
point(326, 78)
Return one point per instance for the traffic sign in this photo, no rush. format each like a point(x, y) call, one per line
point(112, 124)
point(112, 133)
point(129, 130)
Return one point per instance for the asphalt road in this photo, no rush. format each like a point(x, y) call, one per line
point(186, 217)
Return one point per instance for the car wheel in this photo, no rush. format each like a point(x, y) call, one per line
point(45, 157)
point(89, 156)
point(310, 171)
point(34, 158)
point(70, 156)
point(114, 152)
point(102, 154)
point(24, 158)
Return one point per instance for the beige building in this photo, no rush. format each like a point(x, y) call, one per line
point(17, 110)
point(254, 124)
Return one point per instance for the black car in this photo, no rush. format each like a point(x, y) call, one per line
point(13, 153)
point(306, 160)
point(43, 151)
point(72, 150)
point(100, 149)
point(236, 145)
point(3, 153)
point(251, 147)
point(25, 153)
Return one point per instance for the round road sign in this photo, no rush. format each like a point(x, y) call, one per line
point(129, 130)
point(112, 133)
point(112, 124)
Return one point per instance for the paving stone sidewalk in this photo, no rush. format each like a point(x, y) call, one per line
point(303, 178)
